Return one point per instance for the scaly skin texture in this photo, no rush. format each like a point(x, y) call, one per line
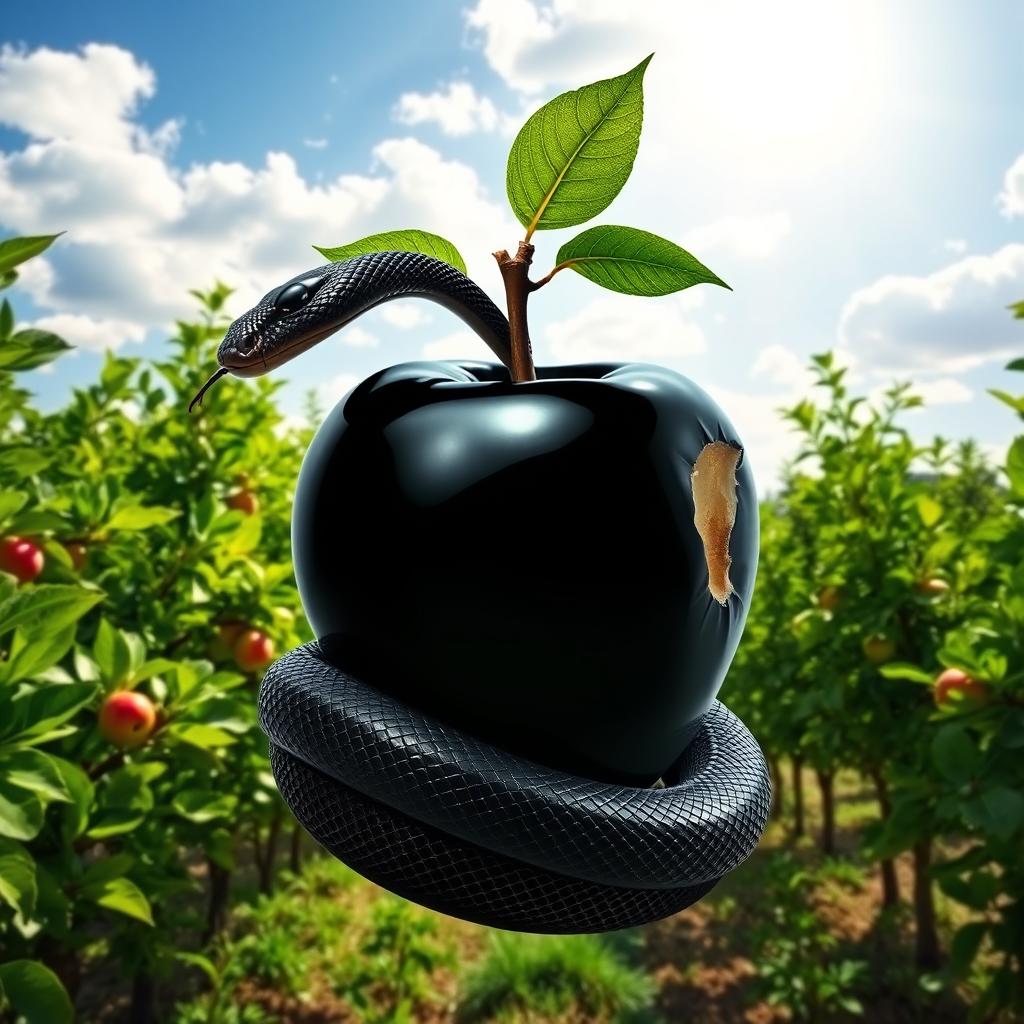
point(265, 337)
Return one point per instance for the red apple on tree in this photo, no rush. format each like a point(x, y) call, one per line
point(127, 719)
point(21, 558)
point(879, 648)
point(253, 650)
point(244, 501)
point(955, 680)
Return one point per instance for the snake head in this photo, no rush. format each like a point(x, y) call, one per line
point(285, 322)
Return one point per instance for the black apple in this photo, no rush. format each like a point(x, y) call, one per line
point(521, 559)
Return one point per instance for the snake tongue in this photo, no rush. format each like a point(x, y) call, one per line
point(198, 400)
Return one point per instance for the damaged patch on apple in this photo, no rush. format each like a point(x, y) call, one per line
point(714, 510)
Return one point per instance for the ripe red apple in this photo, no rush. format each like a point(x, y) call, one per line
point(829, 598)
point(254, 650)
point(78, 553)
point(21, 558)
point(127, 719)
point(955, 680)
point(879, 649)
point(933, 587)
point(244, 501)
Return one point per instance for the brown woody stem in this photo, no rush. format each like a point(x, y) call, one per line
point(515, 272)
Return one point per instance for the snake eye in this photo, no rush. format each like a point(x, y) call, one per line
point(294, 296)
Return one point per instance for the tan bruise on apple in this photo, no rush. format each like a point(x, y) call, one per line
point(714, 511)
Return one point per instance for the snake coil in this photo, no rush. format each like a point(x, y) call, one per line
point(449, 821)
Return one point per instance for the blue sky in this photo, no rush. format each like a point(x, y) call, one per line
point(851, 169)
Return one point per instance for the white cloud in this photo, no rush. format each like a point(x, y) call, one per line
point(947, 322)
point(331, 391)
point(457, 345)
point(403, 314)
point(625, 328)
point(943, 391)
point(955, 245)
point(141, 230)
point(782, 365)
point(318, 143)
point(357, 336)
point(1011, 199)
point(756, 237)
point(89, 333)
point(458, 110)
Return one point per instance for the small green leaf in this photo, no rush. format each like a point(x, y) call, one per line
point(1003, 810)
point(633, 261)
point(966, 943)
point(904, 670)
point(16, 250)
point(11, 503)
point(955, 754)
point(1015, 403)
point(407, 240)
point(30, 349)
point(6, 320)
point(17, 877)
point(203, 805)
point(206, 737)
point(572, 157)
point(56, 604)
point(929, 510)
point(139, 517)
point(36, 993)
point(122, 895)
point(1017, 364)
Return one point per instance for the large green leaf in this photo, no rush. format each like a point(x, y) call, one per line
point(407, 240)
point(1015, 466)
point(633, 261)
point(572, 157)
point(17, 877)
point(21, 812)
point(139, 517)
point(57, 605)
point(30, 349)
point(35, 771)
point(122, 895)
point(16, 250)
point(36, 993)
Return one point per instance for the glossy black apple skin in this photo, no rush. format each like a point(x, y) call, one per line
point(521, 559)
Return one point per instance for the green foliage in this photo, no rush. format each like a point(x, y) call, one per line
point(572, 157)
point(34, 992)
point(410, 240)
point(633, 261)
point(124, 479)
point(565, 974)
point(795, 955)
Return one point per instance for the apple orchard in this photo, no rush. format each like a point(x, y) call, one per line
point(146, 583)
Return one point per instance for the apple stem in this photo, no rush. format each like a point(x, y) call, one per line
point(515, 272)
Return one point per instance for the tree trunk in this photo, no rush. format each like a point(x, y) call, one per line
point(143, 1005)
point(799, 827)
point(828, 813)
point(267, 862)
point(777, 794)
point(890, 883)
point(217, 907)
point(295, 850)
point(928, 954)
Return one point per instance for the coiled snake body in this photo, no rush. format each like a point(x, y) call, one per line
point(433, 812)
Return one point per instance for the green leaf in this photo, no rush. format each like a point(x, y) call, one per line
point(46, 707)
point(206, 737)
point(16, 250)
point(1003, 810)
point(11, 502)
point(966, 943)
point(202, 805)
point(55, 604)
point(35, 771)
point(1017, 364)
point(929, 510)
point(572, 157)
point(955, 754)
point(6, 320)
point(406, 240)
point(21, 812)
point(1015, 466)
point(29, 349)
point(36, 993)
point(122, 895)
point(17, 877)
point(904, 670)
point(138, 517)
point(1015, 403)
point(633, 261)
point(75, 816)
